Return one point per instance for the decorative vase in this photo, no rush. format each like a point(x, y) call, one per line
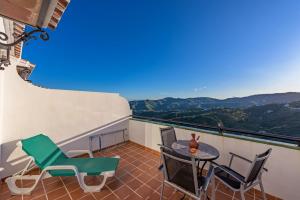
point(193, 142)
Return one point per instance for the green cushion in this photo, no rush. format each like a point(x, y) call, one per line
point(42, 149)
point(47, 153)
point(91, 166)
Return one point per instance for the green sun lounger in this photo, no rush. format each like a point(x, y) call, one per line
point(53, 162)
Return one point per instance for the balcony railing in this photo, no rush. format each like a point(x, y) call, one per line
point(293, 140)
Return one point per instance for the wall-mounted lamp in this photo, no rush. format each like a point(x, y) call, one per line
point(24, 37)
point(4, 56)
point(35, 13)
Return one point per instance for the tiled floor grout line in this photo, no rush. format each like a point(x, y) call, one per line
point(112, 191)
point(22, 186)
point(44, 189)
point(128, 187)
point(224, 193)
point(49, 184)
point(95, 197)
point(118, 178)
point(86, 194)
point(53, 189)
point(216, 188)
point(66, 188)
point(143, 183)
point(233, 196)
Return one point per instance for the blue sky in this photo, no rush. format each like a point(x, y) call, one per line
point(158, 48)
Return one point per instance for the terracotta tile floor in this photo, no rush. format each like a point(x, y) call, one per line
point(136, 178)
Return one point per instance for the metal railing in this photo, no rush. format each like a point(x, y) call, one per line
point(221, 130)
point(100, 135)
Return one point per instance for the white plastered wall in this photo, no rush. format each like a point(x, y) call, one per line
point(2, 29)
point(282, 179)
point(27, 110)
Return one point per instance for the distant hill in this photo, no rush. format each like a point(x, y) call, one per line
point(295, 105)
point(206, 103)
point(272, 118)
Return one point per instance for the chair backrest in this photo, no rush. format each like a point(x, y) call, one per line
point(42, 149)
point(257, 166)
point(180, 172)
point(168, 136)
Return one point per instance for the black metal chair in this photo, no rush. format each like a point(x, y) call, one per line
point(182, 175)
point(168, 136)
point(238, 182)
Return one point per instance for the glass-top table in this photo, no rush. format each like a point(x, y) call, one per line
point(205, 152)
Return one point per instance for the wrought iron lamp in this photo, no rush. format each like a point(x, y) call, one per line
point(4, 57)
point(24, 37)
point(38, 14)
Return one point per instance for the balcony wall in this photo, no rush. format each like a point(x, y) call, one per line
point(26, 110)
point(282, 179)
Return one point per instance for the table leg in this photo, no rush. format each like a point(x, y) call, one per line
point(213, 190)
point(201, 171)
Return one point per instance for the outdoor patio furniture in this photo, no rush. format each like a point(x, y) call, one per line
point(52, 161)
point(205, 153)
point(239, 183)
point(168, 137)
point(182, 175)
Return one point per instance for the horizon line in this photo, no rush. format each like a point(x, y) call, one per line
point(213, 97)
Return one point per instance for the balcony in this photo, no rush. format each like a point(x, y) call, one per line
point(138, 176)
point(103, 123)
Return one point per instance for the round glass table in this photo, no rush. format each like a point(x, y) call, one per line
point(205, 152)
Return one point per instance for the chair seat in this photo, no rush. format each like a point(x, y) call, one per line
point(91, 166)
point(227, 178)
point(184, 178)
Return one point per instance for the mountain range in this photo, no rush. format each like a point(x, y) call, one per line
point(274, 113)
point(179, 104)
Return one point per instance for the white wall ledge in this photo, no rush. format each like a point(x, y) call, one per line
point(282, 178)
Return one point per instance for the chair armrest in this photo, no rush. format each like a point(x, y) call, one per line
point(83, 151)
point(242, 158)
point(228, 172)
point(164, 147)
point(62, 167)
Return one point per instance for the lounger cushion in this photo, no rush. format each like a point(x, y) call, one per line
point(42, 149)
point(91, 166)
point(46, 153)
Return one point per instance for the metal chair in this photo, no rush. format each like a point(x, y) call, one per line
point(182, 175)
point(168, 136)
point(236, 181)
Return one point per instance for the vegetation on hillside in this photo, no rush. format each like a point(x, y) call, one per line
point(280, 118)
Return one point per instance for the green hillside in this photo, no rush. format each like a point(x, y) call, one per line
point(280, 118)
point(180, 104)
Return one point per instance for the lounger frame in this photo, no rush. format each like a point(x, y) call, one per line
point(15, 190)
